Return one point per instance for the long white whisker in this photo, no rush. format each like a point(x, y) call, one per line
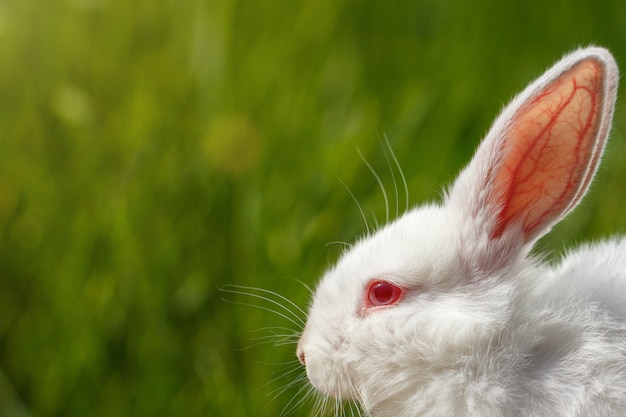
point(289, 334)
point(339, 242)
point(305, 285)
point(358, 399)
point(321, 404)
point(282, 297)
point(291, 376)
point(239, 289)
point(290, 406)
point(379, 181)
point(278, 392)
point(266, 309)
point(275, 340)
point(295, 363)
point(275, 393)
point(367, 226)
point(393, 178)
point(278, 340)
point(353, 409)
point(273, 330)
point(406, 186)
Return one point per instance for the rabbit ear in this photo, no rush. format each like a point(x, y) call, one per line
point(541, 153)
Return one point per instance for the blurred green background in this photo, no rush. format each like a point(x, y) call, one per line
point(154, 151)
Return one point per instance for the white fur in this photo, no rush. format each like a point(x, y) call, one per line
point(484, 329)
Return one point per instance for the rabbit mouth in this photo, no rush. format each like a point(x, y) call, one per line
point(338, 386)
point(331, 380)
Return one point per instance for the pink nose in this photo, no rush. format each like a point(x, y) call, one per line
point(300, 354)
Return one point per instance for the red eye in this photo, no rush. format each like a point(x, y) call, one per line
point(382, 293)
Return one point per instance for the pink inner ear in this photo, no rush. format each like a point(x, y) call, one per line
point(548, 150)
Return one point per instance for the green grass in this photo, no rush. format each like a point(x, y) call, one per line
point(152, 152)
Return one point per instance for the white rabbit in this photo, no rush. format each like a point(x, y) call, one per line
point(444, 312)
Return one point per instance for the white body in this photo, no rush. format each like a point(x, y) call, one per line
point(481, 328)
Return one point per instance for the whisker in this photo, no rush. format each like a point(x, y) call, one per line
point(279, 391)
point(275, 340)
point(273, 329)
point(289, 334)
point(376, 223)
point(352, 409)
point(239, 289)
point(274, 293)
point(278, 340)
point(321, 404)
point(294, 363)
point(339, 242)
point(305, 285)
point(393, 178)
point(379, 181)
point(329, 406)
point(367, 226)
point(265, 309)
point(356, 405)
point(291, 375)
point(276, 392)
point(406, 186)
point(358, 399)
point(290, 406)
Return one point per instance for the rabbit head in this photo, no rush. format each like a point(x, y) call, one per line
point(409, 315)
